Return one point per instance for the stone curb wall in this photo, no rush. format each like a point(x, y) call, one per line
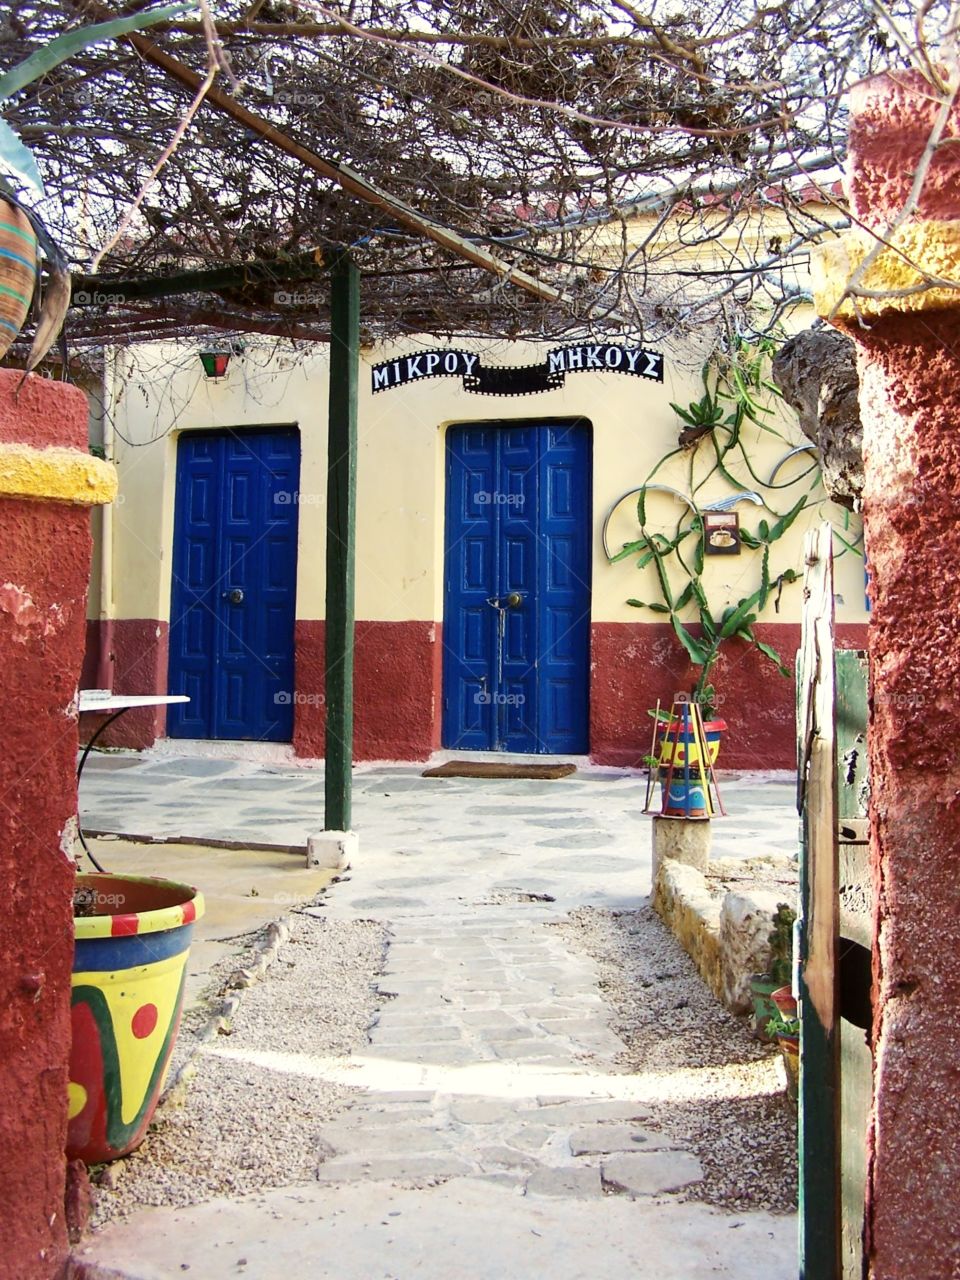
point(724, 933)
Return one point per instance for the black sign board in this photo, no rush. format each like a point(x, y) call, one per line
point(524, 380)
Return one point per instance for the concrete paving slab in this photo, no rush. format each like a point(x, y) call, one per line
point(409, 1170)
point(362, 1231)
point(482, 1111)
point(568, 1184)
point(603, 1139)
point(574, 1113)
point(506, 1158)
point(650, 1173)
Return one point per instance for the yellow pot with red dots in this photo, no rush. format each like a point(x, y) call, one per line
point(133, 936)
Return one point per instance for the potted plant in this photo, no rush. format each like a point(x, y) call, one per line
point(677, 552)
point(786, 1032)
point(768, 988)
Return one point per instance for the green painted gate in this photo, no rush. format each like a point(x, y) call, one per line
point(835, 933)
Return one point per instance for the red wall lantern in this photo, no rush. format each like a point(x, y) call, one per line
point(214, 363)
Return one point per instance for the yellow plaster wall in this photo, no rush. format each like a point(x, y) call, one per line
point(898, 276)
point(159, 391)
point(55, 474)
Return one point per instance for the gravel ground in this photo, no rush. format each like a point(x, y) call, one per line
point(733, 1114)
point(239, 1127)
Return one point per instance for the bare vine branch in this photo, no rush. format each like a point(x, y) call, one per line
point(611, 148)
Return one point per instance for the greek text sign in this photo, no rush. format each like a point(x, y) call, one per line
point(522, 380)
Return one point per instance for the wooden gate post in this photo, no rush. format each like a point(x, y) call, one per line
point(820, 1234)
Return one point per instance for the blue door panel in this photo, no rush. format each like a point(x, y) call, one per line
point(518, 520)
point(235, 530)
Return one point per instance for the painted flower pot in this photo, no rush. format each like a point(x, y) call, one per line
point(684, 790)
point(786, 1002)
point(684, 797)
point(18, 271)
point(133, 937)
point(680, 747)
point(762, 988)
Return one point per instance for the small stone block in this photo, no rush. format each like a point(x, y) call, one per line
point(604, 1139)
point(650, 1172)
point(78, 1200)
point(570, 1183)
point(333, 849)
point(681, 840)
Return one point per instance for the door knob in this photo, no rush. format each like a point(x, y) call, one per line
point(514, 599)
point(235, 596)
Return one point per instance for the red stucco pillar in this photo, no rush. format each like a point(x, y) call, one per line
point(47, 480)
point(909, 358)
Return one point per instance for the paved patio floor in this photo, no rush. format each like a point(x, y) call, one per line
point(493, 1122)
point(430, 843)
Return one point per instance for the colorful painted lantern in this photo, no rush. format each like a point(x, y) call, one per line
point(684, 774)
point(214, 363)
point(133, 937)
point(18, 271)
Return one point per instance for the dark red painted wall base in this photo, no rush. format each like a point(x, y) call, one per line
point(139, 647)
point(634, 664)
point(398, 669)
point(397, 673)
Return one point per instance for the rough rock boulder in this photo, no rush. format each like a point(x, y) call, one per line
point(817, 373)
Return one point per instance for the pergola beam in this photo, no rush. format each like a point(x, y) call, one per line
point(302, 266)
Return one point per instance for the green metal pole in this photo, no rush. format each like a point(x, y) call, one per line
point(341, 540)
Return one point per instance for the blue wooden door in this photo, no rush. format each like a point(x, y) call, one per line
point(517, 588)
point(234, 584)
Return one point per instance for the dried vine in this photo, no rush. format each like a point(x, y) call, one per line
point(599, 145)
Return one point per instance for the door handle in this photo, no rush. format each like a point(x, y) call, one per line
point(514, 599)
point(235, 595)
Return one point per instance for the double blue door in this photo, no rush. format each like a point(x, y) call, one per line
point(517, 569)
point(233, 603)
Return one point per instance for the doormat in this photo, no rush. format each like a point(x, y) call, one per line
point(496, 769)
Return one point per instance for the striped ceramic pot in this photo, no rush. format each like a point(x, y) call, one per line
point(133, 937)
point(18, 271)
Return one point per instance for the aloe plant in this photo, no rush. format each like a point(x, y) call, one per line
point(735, 621)
point(732, 395)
